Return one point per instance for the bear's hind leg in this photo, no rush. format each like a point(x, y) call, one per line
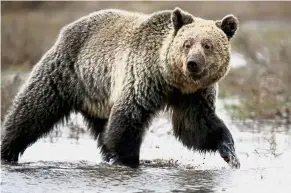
point(124, 134)
point(97, 126)
point(34, 112)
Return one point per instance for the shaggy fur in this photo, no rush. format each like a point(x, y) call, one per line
point(118, 69)
point(198, 127)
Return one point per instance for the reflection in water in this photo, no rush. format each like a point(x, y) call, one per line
point(104, 178)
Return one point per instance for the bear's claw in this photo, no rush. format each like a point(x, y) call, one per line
point(227, 152)
point(232, 161)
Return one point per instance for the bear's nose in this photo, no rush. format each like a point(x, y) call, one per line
point(194, 65)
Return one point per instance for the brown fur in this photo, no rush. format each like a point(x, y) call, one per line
point(217, 59)
point(118, 69)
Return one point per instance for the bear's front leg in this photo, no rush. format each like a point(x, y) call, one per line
point(197, 126)
point(224, 139)
point(124, 133)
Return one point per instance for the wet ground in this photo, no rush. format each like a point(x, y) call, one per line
point(68, 161)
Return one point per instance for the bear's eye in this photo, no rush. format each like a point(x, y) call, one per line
point(187, 44)
point(207, 46)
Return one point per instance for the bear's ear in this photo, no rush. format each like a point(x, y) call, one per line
point(180, 18)
point(229, 24)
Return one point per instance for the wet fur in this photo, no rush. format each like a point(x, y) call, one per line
point(195, 122)
point(108, 66)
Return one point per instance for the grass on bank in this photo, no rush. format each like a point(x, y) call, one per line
point(263, 85)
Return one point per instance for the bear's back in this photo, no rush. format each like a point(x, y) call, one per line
point(97, 29)
point(99, 42)
point(103, 45)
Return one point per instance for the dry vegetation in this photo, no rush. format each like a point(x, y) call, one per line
point(30, 28)
point(9, 89)
point(264, 84)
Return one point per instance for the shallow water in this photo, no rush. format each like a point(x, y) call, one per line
point(68, 161)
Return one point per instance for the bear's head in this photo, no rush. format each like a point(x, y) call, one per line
point(199, 52)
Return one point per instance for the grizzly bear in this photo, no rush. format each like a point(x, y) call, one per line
point(118, 69)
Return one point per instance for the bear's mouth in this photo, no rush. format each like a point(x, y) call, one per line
point(198, 76)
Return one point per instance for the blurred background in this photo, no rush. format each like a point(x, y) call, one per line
point(257, 87)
